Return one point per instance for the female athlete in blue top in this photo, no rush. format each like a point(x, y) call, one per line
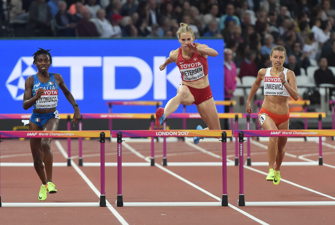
point(41, 92)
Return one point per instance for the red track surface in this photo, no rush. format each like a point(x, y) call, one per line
point(153, 184)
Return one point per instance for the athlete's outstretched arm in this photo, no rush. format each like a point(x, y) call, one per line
point(291, 84)
point(254, 88)
point(203, 49)
point(172, 58)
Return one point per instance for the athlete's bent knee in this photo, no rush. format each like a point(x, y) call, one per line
point(273, 139)
point(182, 95)
point(45, 146)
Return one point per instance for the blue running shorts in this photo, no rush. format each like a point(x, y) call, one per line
point(41, 119)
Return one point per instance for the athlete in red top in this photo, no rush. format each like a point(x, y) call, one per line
point(191, 59)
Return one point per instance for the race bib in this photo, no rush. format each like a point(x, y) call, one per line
point(262, 119)
point(48, 100)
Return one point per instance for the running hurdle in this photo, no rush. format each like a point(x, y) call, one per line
point(133, 103)
point(236, 116)
point(223, 134)
point(61, 134)
point(292, 115)
point(229, 103)
point(25, 117)
point(275, 133)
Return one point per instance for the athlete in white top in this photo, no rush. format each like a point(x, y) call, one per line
point(279, 85)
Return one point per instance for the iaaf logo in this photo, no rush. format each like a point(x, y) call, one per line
point(31, 134)
point(275, 132)
point(150, 77)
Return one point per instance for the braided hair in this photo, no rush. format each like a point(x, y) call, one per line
point(40, 52)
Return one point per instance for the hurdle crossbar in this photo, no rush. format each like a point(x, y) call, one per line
point(176, 133)
point(272, 133)
point(62, 134)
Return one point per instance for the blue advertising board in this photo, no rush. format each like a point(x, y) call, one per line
point(98, 71)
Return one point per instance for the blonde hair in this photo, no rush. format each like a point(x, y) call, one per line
point(278, 48)
point(184, 28)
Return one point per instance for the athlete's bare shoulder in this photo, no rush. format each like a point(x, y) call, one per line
point(174, 54)
point(262, 72)
point(30, 81)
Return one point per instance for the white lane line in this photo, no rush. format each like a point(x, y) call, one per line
point(302, 157)
point(289, 182)
point(14, 155)
point(262, 146)
point(197, 187)
point(90, 184)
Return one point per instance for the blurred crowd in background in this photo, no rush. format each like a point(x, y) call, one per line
point(250, 28)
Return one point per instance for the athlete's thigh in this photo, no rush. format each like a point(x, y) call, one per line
point(209, 114)
point(34, 142)
point(283, 126)
point(189, 98)
point(50, 125)
point(266, 122)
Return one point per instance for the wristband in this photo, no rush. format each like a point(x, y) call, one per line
point(283, 83)
point(75, 105)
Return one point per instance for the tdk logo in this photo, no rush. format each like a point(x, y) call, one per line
point(150, 77)
point(16, 80)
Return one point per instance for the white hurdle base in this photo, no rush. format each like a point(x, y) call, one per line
point(301, 203)
point(168, 204)
point(199, 164)
point(124, 164)
point(316, 163)
point(50, 204)
point(23, 164)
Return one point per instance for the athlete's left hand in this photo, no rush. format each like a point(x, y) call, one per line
point(282, 77)
point(76, 115)
point(192, 47)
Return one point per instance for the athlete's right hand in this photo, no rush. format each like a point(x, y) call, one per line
point(162, 67)
point(249, 108)
point(39, 93)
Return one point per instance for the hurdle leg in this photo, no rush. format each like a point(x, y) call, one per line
point(110, 121)
point(333, 118)
point(68, 142)
point(102, 202)
point(119, 199)
point(224, 200)
point(80, 144)
point(248, 142)
point(241, 200)
point(152, 161)
point(236, 141)
point(320, 141)
point(164, 146)
point(305, 123)
point(184, 121)
point(0, 172)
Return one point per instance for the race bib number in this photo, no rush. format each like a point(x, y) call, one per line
point(262, 119)
point(48, 100)
point(192, 73)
